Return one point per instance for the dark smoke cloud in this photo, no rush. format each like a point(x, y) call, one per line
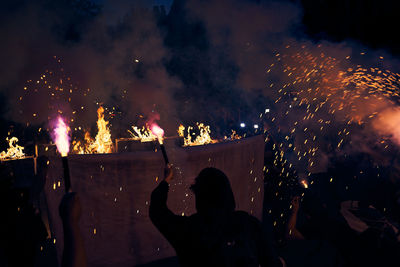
point(221, 50)
point(250, 32)
point(121, 63)
point(98, 51)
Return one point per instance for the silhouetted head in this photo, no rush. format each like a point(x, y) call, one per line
point(213, 192)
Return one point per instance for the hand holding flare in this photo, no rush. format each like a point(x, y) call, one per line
point(159, 132)
point(61, 139)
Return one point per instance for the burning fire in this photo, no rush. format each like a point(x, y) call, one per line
point(102, 142)
point(143, 134)
point(61, 138)
point(181, 130)
point(234, 136)
point(202, 138)
point(83, 147)
point(14, 151)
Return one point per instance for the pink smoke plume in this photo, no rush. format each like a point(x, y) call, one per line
point(60, 137)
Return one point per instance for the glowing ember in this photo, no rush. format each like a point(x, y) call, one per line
point(143, 134)
point(202, 138)
point(14, 151)
point(304, 183)
point(61, 138)
point(157, 131)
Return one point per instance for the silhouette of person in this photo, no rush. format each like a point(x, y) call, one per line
point(74, 254)
point(216, 235)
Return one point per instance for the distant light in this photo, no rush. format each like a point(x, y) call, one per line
point(137, 60)
point(266, 110)
point(255, 126)
point(242, 124)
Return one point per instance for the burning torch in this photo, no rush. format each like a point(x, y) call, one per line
point(61, 139)
point(159, 132)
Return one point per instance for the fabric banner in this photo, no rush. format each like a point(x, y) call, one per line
point(114, 190)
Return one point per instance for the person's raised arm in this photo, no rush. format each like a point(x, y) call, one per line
point(292, 233)
point(161, 216)
point(158, 203)
point(74, 254)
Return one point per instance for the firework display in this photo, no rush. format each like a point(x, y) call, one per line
point(323, 99)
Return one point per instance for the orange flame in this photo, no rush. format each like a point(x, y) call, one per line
point(235, 135)
point(61, 138)
point(202, 138)
point(181, 131)
point(103, 142)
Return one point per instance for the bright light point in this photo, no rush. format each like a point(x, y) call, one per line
point(242, 125)
point(255, 126)
point(266, 110)
point(137, 60)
